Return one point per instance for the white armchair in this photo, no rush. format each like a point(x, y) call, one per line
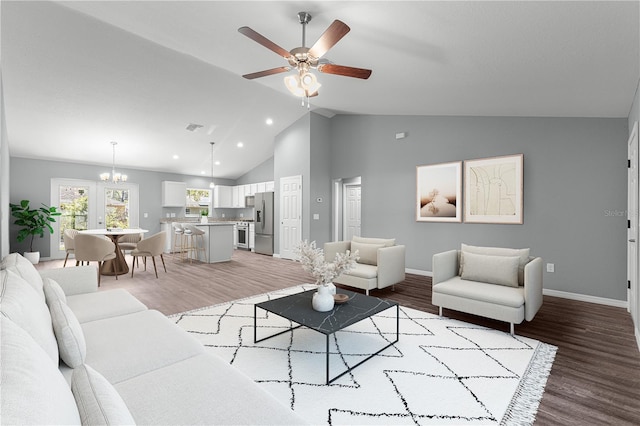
point(381, 263)
point(497, 283)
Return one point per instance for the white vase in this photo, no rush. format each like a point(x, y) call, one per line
point(32, 256)
point(322, 299)
point(331, 287)
point(204, 219)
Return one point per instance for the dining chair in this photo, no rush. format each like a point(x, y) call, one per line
point(94, 248)
point(152, 246)
point(68, 238)
point(129, 242)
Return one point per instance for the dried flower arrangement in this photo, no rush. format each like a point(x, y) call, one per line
point(312, 260)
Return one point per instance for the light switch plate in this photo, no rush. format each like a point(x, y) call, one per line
point(316, 216)
point(551, 267)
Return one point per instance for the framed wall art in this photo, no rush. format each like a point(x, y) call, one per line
point(439, 192)
point(493, 190)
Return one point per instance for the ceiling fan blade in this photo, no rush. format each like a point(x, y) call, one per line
point(329, 38)
point(266, 73)
point(259, 38)
point(346, 71)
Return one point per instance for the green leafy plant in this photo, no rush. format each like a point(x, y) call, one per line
point(204, 213)
point(33, 221)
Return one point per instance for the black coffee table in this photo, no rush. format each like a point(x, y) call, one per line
point(297, 308)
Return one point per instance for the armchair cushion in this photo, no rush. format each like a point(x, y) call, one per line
point(523, 254)
point(368, 253)
point(502, 270)
point(71, 342)
point(388, 242)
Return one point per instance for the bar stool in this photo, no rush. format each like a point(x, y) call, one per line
point(178, 239)
point(194, 246)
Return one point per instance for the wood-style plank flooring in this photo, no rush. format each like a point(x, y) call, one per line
point(595, 379)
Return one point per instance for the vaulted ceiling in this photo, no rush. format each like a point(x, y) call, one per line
point(77, 75)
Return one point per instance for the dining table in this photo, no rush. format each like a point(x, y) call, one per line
point(117, 266)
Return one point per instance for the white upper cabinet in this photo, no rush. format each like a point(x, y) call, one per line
point(269, 186)
point(174, 194)
point(222, 196)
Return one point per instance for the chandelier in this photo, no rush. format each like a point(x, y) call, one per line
point(115, 177)
point(212, 185)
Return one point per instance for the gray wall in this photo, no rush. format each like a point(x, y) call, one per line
point(291, 158)
point(262, 173)
point(31, 179)
point(4, 179)
point(574, 189)
point(320, 185)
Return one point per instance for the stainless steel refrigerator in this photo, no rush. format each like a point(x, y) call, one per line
point(263, 218)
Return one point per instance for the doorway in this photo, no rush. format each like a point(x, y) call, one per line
point(347, 208)
point(633, 223)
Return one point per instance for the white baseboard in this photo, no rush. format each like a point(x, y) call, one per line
point(419, 272)
point(586, 298)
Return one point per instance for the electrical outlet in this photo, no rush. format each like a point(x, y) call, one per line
point(551, 267)
point(146, 214)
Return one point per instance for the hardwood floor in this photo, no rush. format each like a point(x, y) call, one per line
point(595, 379)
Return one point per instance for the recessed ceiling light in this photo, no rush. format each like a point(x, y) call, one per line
point(175, 156)
point(217, 163)
point(269, 122)
point(202, 172)
point(240, 145)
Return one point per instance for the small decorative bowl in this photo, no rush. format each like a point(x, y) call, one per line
point(340, 298)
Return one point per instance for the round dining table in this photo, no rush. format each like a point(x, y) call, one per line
point(117, 266)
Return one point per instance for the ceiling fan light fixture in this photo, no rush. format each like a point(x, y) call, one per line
point(292, 82)
point(309, 82)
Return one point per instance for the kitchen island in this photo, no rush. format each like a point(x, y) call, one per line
point(218, 241)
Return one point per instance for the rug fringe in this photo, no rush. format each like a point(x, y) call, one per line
point(524, 404)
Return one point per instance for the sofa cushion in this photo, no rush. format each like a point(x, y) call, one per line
point(483, 292)
point(523, 254)
point(98, 401)
point(71, 342)
point(202, 390)
point(103, 304)
point(33, 390)
point(362, 270)
point(17, 264)
point(502, 270)
point(23, 305)
point(368, 253)
point(388, 242)
point(147, 340)
point(53, 292)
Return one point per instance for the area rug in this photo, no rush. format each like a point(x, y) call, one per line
point(441, 371)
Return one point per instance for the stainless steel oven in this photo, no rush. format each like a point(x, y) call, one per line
point(243, 234)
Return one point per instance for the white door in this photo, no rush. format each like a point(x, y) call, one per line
point(352, 211)
point(633, 222)
point(117, 205)
point(290, 215)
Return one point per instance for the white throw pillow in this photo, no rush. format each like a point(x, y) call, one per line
point(387, 242)
point(53, 291)
point(71, 342)
point(22, 304)
point(501, 270)
point(523, 255)
point(33, 389)
point(368, 253)
point(99, 403)
point(17, 264)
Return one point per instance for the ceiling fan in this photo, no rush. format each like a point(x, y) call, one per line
point(303, 59)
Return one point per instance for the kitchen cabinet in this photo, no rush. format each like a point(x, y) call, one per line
point(262, 187)
point(269, 186)
point(222, 196)
point(238, 196)
point(235, 236)
point(174, 194)
point(252, 236)
point(253, 188)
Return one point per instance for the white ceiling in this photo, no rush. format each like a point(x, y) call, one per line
point(79, 74)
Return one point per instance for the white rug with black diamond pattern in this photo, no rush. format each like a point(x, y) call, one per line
point(441, 371)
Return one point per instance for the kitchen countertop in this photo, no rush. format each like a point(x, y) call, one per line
point(215, 224)
point(197, 221)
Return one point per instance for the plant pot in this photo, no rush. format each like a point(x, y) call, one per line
point(322, 299)
point(204, 219)
point(32, 256)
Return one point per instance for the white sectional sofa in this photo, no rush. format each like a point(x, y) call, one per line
point(381, 263)
point(75, 355)
point(499, 283)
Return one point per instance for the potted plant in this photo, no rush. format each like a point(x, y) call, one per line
point(33, 222)
point(204, 213)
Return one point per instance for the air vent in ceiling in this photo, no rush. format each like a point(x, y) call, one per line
point(192, 127)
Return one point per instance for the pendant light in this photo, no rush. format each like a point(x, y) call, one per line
point(115, 177)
